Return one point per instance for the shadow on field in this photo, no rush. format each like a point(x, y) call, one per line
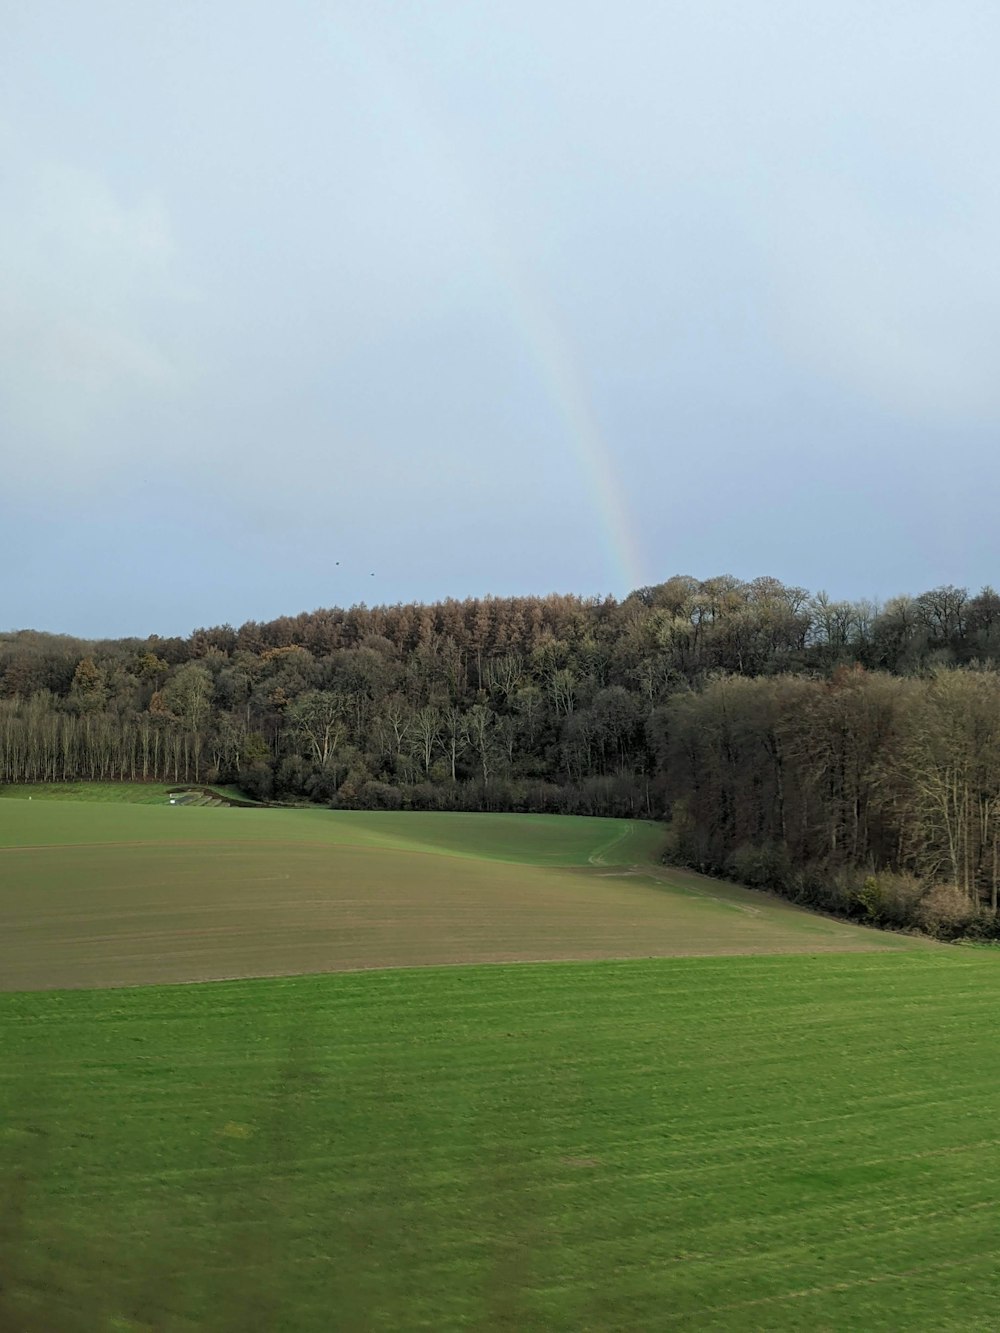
point(217, 1233)
point(516, 1237)
point(216, 1254)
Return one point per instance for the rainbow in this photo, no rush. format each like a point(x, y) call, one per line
point(558, 368)
point(550, 348)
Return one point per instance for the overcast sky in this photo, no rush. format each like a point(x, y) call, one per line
point(491, 299)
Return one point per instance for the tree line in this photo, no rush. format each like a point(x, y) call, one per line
point(873, 795)
point(843, 752)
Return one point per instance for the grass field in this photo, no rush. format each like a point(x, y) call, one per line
point(127, 793)
point(741, 1143)
point(802, 1140)
point(120, 793)
point(107, 895)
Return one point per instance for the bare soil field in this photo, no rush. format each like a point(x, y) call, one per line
point(129, 898)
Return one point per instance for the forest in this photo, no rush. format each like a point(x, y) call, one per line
point(843, 753)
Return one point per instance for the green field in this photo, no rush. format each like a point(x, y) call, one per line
point(779, 1143)
point(147, 816)
point(804, 1140)
point(127, 793)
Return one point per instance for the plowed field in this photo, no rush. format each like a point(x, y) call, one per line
point(116, 895)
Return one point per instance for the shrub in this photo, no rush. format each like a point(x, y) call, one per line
point(945, 912)
point(891, 900)
point(985, 926)
point(761, 866)
point(257, 781)
point(378, 796)
point(293, 774)
point(687, 841)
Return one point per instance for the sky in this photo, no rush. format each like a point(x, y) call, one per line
point(315, 304)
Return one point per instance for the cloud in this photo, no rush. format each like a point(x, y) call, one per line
point(89, 285)
point(900, 306)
